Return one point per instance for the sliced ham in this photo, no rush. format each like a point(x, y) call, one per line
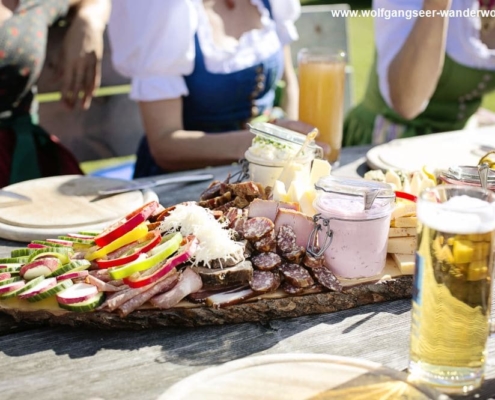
point(103, 286)
point(189, 282)
point(102, 274)
point(269, 208)
point(301, 223)
point(230, 298)
point(162, 286)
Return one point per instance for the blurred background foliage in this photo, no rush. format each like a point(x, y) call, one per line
point(361, 43)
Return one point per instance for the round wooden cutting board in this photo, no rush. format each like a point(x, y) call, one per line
point(298, 377)
point(62, 204)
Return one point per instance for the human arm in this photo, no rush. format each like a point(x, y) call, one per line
point(82, 51)
point(175, 149)
point(414, 72)
point(290, 97)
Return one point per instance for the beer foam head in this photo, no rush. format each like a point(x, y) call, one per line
point(459, 214)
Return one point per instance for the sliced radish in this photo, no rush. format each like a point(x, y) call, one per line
point(11, 287)
point(81, 236)
point(77, 293)
point(84, 306)
point(61, 252)
point(42, 266)
point(73, 275)
point(45, 284)
point(4, 275)
point(36, 246)
point(49, 292)
point(75, 265)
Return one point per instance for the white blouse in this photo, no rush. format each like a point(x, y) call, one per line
point(152, 42)
point(463, 43)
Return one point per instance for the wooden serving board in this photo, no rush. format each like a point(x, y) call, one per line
point(390, 285)
point(298, 377)
point(62, 204)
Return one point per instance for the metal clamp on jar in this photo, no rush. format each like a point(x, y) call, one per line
point(352, 225)
point(273, 147)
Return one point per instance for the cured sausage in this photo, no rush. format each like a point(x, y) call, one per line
point(326, 278)
point(266, 244)
point(296, 275)
point(295, 256)
point(266, 261)
point(265, 281)
point(312, 262)
point(256, 228)
point(286, 239)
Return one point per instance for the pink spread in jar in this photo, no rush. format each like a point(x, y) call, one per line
point(358, 213)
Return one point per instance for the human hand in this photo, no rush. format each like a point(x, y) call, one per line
point(80, 66)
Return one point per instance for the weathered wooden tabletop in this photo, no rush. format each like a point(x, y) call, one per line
point(68, 363)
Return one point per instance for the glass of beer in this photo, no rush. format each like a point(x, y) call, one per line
point(321, 95)
point(452, 287)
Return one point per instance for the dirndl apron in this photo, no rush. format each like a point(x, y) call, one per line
point(457, 97)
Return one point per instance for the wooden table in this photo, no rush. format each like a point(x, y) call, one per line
point(68, 363)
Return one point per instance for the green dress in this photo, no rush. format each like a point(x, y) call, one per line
point(457, 97)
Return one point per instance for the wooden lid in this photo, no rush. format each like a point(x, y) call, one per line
point(297, 377)
point(61, 204)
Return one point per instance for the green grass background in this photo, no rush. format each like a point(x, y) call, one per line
point(361, 43)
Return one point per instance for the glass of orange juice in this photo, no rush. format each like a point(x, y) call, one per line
point(321, 95)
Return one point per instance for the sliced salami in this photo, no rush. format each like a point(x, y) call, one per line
point(295, 256)
point(326, 278)
point(267, 243)
point(290, 289)
point(256, 228)
point(238, 226)
point(265, 281)
point(266, 261)
point(296, 275)
point(286, 239)
point(312, 262)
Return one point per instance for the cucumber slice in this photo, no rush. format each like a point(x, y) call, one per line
point(27, 286)
point(89, 233)
point(84, 306)
point(14, 260)
point(11, 267)
point(62, 285)
point(75, 265)
point(10, 280)
point(49, 244)
point(90, 242)
point(62, 253)
point(21, 252)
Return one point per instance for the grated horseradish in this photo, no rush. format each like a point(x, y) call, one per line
point(215, 241)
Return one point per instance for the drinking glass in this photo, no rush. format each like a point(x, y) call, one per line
point(452, 287)
point(321, 95)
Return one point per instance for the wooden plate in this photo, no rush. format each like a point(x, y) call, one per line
point(62, 204)
point(297, 377)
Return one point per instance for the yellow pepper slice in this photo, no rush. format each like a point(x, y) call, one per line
point(137, 233)
point(150, 259)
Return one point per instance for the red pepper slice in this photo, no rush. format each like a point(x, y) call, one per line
point(188, 251)
point(143, 245)
point(126, 224)
point(406, 196)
